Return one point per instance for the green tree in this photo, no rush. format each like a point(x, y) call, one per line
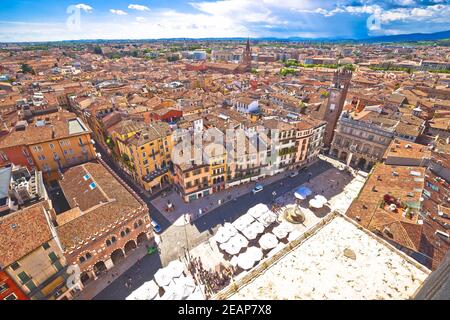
point(26, 68)
point(98, 50)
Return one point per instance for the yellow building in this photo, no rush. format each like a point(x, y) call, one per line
point(148, 154)
point(55, 141)
point(123, 131)
point(31, 254)
point(196, 181)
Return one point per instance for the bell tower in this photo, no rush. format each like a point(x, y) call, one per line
point(332, 109)
point(247, 58)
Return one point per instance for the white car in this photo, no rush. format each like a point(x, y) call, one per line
point(293, 174)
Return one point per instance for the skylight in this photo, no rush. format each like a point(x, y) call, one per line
point(86, 177)
point(92, 185)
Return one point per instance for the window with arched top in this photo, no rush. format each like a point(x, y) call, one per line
point(127, 230)
point(88, 256)
point(122, 234)
point(113, 239)
point(82, 259)
point(140, 222)
point(108, 243)
point(136, 225)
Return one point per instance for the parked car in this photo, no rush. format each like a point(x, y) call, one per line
point(293, 174)
point(257, 188)
point(156, 226)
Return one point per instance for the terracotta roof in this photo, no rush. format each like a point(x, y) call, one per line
point(22, 232)
point(101, 207)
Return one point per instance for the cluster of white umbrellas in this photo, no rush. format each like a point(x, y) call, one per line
point(318, 201)
point(176, 285)
point(179, 289)
point(232, 238)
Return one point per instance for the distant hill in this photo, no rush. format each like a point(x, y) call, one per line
point(385, 39)
point(410, 37)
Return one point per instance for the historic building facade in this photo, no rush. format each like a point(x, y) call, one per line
point(359, 143)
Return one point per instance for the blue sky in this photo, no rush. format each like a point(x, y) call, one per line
point(49, 20)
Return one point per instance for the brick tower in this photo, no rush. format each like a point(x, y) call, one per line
point(331, 111)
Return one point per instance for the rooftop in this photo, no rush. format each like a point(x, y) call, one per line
point(101, 198)
point(339, 261)
point(22, 232)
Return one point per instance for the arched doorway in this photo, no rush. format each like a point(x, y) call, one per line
point(99, 268)
point(117, 256)
point(84, 278)
point(130, 245)
point(362, 163)
point(343, 156)
point(141, 238)
point(334, 153)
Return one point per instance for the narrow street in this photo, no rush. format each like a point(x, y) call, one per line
point(176, 239)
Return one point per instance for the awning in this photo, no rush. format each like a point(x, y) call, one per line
point(302, 193)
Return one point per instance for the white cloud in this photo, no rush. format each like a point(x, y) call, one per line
point(138, 7)
point(118, 12)
point(140, 19)
point(84, 7)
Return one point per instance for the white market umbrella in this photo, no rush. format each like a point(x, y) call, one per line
point(258, 226)
point(163, 277)
point(234, 261)
point(231, 249)
point(239, 240)
point(223, 235)
point(231, 230)
point(235, 244)
point(196, 295)
point(147, 291)
point(282, 230)
point(255, 253)
point(321, 198)
point(245, 261)
point(315, 203)
point(267, 218)
point(258, 210)
point(250, 232)
point(176, 268)
point(172, 292)
point(243, 222)
point(294, 235)
point(186, 285)
point(268, 241)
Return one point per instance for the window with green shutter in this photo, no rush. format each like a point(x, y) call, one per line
point(58, 265)
point(15, 265)
point(53, 257)
point(24, 278)
point(31, 286)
